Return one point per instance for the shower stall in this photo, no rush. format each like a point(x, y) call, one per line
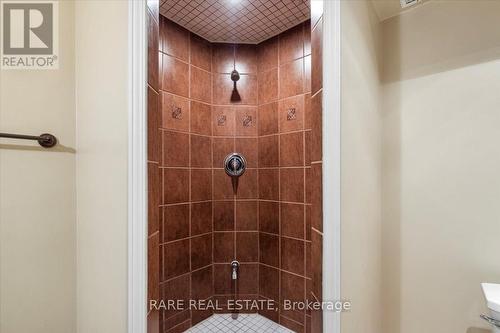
point(297, 151)
point(234, 165)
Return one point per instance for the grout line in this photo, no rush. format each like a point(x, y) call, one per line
point(237, 179)
point(287, 237)
point(201, 268)
point(283, 167)
point(157, 91)
point(285, 133)
point(283, 271)
point(190, 183)
point(168, 129)
point(237, 231)
point(213, 172)
point(184, 239)
point(316, 93)
point(317, 231)
point(173, 278)
point(292, 320)
point(280, 272)
point(237, 200)
point(161, 90)
point(188, 99)
point(288, 61)
point(188, 62)
point(162, 179)
point(288, 202)
point(304, 148)
point(258, 181)
point(239, 105)
point(225, 295)
point(183, 203)
point(172, 329)
point(182, 168)
point(178, 314)
point(245, 263)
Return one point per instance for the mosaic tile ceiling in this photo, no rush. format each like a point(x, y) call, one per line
point(236, 21)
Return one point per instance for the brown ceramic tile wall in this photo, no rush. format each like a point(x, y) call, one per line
point(284, 170)
point(154, 178)
point(234, 123)
point(205, 225)
point(272, 225)
point(186, 171)
point(314, 182)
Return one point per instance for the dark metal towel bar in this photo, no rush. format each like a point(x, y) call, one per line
point(45, 140)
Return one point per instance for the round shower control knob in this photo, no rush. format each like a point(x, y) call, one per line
point(235, 164)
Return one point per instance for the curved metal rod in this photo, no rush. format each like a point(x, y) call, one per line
point(45, 140)
point(492, 321)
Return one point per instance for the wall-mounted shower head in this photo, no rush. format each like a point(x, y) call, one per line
point(235, 76)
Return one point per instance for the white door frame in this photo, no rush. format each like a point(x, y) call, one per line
point(331, 160)
point(137, 164)
point(137, 167)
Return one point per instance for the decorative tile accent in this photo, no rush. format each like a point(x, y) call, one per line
point(176, 112)
point(291, 114)
point(247, 121)
point(256, 20)
point(244, 323)
point(221, 120)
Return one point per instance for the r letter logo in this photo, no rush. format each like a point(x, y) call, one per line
point(29, 35)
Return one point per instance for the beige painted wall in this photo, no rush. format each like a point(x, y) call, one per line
point(441, 183)
point(37, 195)
point(63, 212)
point(361, 167)
point(102, 117)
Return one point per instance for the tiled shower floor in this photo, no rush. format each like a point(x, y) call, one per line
point(249, 323)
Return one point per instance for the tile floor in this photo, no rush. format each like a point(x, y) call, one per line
point(248, 323)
